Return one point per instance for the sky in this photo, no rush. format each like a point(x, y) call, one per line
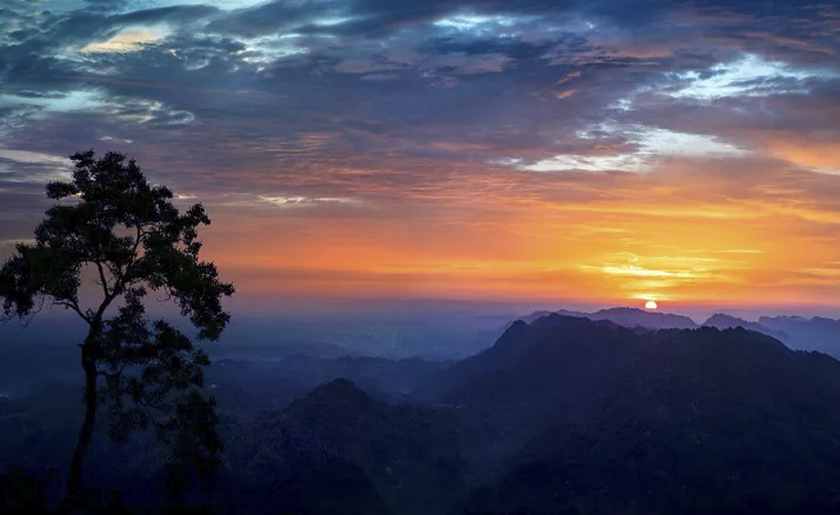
point(613, 152)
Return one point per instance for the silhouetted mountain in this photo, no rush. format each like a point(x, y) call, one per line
point(721, 321)
point(536, 315)
point(633, 317)
point(246, 387)
point(536, 375)
point(410, 454)
point(670, 421)
point(552, 361)
point(274, 466)
point(817, 333)
point(628, 317)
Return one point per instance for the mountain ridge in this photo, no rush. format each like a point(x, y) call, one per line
point(626, 316)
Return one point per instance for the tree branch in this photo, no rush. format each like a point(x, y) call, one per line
point(105, 303)
point(120, 275)
point(102, 278)
point(66, 304)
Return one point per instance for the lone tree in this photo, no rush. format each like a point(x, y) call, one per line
point(116, 230)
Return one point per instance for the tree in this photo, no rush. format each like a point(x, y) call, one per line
point(114, 229)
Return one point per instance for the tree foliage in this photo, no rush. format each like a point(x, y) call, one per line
point(111, 227)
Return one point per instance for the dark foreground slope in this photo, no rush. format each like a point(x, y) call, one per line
point(700, 421)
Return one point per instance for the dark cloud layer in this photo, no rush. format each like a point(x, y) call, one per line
point(502, 80)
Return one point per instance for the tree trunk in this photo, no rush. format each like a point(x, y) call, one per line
point(73, 491)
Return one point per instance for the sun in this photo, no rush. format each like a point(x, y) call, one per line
point(651, 305)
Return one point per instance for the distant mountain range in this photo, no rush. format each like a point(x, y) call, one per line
point(628, 317)
point(721, 321)
point(817, 333)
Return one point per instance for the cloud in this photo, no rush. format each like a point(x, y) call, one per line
point(26, 157)
point(300, 201)
point(127, 40)
point(32, 167)
point(644, 146)
point(748, 76)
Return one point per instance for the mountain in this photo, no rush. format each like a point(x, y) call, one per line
point(409, 454)
point(536, 315)
point(721, 321)
point(246, 387)
point(628, 317)
point(535, 376)
point(817, 333)
point(672, 421)
point(633, 317)
point(273, 466)
point(553, 360)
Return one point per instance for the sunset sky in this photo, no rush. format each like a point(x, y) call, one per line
point(686, 152)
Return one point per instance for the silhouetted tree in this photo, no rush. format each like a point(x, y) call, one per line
point(115, 228)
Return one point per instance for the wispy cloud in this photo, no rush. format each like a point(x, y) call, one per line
point(300, 201)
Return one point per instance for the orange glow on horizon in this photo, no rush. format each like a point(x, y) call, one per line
point(670, 236)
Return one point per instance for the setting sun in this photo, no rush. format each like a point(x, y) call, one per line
point(651, 305)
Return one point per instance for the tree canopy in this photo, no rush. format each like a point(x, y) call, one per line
point(114, 229)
